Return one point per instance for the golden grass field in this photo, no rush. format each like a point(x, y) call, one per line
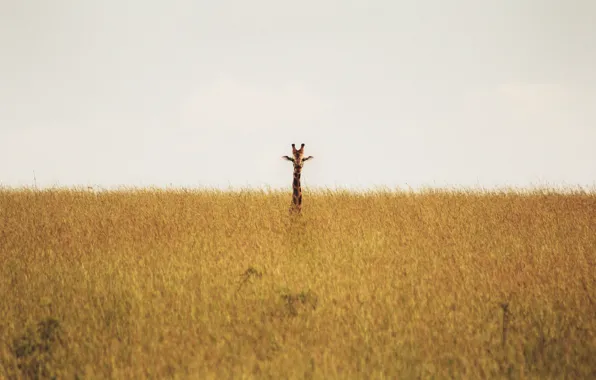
point(155, 283)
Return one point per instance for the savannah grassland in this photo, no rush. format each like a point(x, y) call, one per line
point(205, 284)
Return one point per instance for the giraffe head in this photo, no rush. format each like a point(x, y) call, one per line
point(297, 158)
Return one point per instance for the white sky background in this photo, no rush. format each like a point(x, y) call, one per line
point(461, 93)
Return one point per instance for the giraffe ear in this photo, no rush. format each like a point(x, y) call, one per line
point(288, 158)
point(307, 158)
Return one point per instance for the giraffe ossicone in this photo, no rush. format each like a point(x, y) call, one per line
point(298, 160)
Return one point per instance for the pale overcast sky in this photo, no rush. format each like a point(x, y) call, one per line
point(461, 93)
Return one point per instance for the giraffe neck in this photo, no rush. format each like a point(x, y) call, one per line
point(297, 191)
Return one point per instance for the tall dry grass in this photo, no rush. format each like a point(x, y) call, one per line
point(207, 284)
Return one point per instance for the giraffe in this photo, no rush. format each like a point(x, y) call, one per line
point(298, 161)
